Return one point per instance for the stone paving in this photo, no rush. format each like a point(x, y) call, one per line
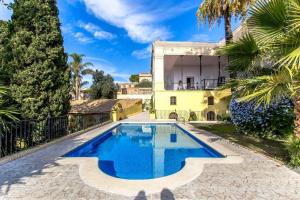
point(39, 176)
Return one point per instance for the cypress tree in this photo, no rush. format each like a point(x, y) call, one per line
point(41, 84)
point(5, 53)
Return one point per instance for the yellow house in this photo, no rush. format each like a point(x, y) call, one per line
point(185, 78)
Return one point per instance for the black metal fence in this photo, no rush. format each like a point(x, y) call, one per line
point(21, 135)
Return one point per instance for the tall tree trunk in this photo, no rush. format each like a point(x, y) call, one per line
point(228, 35)
point(297, 115)
point(77, 90)
point(227, 22)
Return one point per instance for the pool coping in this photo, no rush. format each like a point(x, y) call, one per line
point(92, 176)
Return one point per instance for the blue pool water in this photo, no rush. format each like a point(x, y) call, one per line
point(143, 151)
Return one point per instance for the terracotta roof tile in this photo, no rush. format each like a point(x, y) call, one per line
point(99, 105)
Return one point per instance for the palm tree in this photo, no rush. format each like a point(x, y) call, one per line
point(78, 70)
point(6, 112)
point(216, 10)
point(273, 43)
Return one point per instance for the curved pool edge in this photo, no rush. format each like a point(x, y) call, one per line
point(94, 177)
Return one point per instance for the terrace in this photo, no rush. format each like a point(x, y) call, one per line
point(189, 72)
point(44, 174)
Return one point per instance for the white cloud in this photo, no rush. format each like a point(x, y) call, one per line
point(66, 28)
point(96, 31)
point(107, 67)
point(5, 13)
point(82, 38)
point(141, 19)
point(200, 38)
point(143, 53)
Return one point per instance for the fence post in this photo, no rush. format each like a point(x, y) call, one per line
point(1, 141)
point(49, 127)
point(68, 125)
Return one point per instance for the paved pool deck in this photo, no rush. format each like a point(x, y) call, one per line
point(40, 175)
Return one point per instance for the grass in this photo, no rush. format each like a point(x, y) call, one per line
point(274, 148)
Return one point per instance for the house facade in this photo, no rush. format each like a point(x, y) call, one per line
point(145, 77)
point(185, 80)
point(132, 91)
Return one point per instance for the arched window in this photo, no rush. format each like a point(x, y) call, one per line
point(211, 116)
point(173, 115)
point(211, 100)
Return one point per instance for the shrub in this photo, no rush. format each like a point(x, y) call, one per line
point(224, 117)
point(152, 110)
point(193, 116)
point(144, 84)
point(293, 147)
point(274, 120)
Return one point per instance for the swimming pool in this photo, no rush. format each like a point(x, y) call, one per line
point(143, 151)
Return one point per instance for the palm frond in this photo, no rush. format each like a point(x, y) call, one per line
point(86, 64)
point(210, 10)
point(240, 7)
point(9, 113)
point(243, 54)
point(6, 112)
point(87, 72)
point(268, 20)
point(294, 15)
point(289, 49)
point(264, 89)
point(3, 90)
point(84, 83)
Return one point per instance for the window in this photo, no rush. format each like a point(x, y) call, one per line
point(173, 101)
point(211, 116)
point(190, 83)
point(124, 90)
point(211, 100)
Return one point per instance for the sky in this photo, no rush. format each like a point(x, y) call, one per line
point(116, 35)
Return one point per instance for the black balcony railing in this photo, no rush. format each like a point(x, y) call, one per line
point(204, 84)
point(25, 134)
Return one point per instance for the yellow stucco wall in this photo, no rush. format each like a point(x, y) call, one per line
point(196, 101)
point(120, 113)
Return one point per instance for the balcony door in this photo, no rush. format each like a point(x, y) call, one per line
point(190, 83)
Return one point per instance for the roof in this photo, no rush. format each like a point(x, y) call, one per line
point(145, 74)
point(184, 44)
point(99, 105)
point(92, 106)
point(126, 103)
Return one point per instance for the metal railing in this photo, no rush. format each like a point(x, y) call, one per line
point(205, 84)
point(25, 134)
point(181, 114)
point(136, 91)
point(165, 114)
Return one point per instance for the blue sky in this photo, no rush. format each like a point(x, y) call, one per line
point(116, 35)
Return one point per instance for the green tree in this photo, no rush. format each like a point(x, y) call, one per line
point(78, 70)
point(7, 112)
point(273, 43)
point(41, 83)
point(6, 70)
point(134, 78)
point(144, 84)
point(216, 10)
point(103, 86)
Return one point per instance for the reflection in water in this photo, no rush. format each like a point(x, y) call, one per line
point(139, 151)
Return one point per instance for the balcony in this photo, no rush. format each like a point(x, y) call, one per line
point(204, 84)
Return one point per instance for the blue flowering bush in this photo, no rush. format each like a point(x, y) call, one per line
point(273, 120)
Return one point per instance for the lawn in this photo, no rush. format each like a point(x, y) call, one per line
point(274, 148)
